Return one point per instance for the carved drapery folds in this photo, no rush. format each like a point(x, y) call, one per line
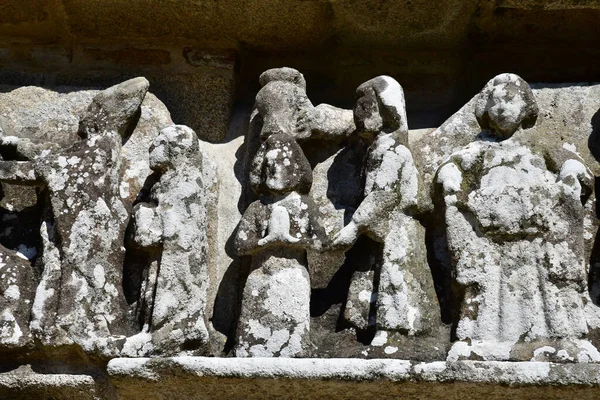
point(355, 239)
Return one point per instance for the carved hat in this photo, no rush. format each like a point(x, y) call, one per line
point(280, 166)
point(282, 103)
point(506, 103)
point(283, 74)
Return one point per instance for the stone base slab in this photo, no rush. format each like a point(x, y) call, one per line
point(211, 378)
point(259, 378)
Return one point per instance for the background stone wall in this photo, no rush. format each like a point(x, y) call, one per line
point(203, 57)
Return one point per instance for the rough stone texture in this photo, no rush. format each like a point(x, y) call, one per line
point(566, 121)
point(197, 83)
point(175, 223)
point(515, 230)
point(339, 252)
point(275, 231)
point(17, 288)
point(23, 383)
point(79, 298)
point(49, 119)
point(110, 113)
point(282, 106)
point(405, 300)
point(350, 378)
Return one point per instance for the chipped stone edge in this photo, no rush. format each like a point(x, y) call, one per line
point(9, 380)
point(490, 372)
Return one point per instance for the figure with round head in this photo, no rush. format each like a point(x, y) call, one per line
point(276, 231)
point(174, 225)
point(505, 104)
point(172, 147)
point(405, 296)
point(80, 299)
point(381, 109)
point(514, 226)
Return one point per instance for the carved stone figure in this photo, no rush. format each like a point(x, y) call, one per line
point(175, 224)
point(79, 298)
point(405, 297)
point(514, 223)
point(276, 231)
point(282, 106)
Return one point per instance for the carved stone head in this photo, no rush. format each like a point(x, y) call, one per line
point(281, 167)
point(506, 103)
point(380, 107)
point(172, 147)
point(282, 103)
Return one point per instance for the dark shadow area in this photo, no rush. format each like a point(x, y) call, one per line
point(21, 226)
point(228, 300)
point(366, 255)
point(243, 160)
point(594, 139)
point(131, 125)
point(137, 262)
point(439, 258)
point(594, 261)
point(345, 178)
point(336, 291)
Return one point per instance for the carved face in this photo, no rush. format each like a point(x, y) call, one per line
point(507, 108)
point(280, 166)
point(276, 173)
point(505, 104)
point(169, 146)
point(366, 114)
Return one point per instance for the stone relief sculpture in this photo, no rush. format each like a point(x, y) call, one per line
point(276, 231)
point(405, 298)
point(174, 225)
point(515, 233)
point(516, 223)
point(79, 298)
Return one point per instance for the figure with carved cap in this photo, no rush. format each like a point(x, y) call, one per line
point(275, 231)
point(282, 106)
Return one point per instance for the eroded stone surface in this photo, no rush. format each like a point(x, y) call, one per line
point(515, 226)
point(276, 231)
point(339, 252)
point(175, 224)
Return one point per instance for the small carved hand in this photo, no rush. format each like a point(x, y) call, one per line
point(346, 237)
point(279, 227)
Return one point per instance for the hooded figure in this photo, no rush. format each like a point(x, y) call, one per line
point(405, 299)
point(276, 231)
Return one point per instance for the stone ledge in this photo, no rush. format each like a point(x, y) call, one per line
point(199, 377)
point(26, 384)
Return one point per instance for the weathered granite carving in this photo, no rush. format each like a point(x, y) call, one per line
point(174, 227)
point(358, 230)
point(404, 299)
point(79, 298)
point(515, 228)
point(276, 231)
